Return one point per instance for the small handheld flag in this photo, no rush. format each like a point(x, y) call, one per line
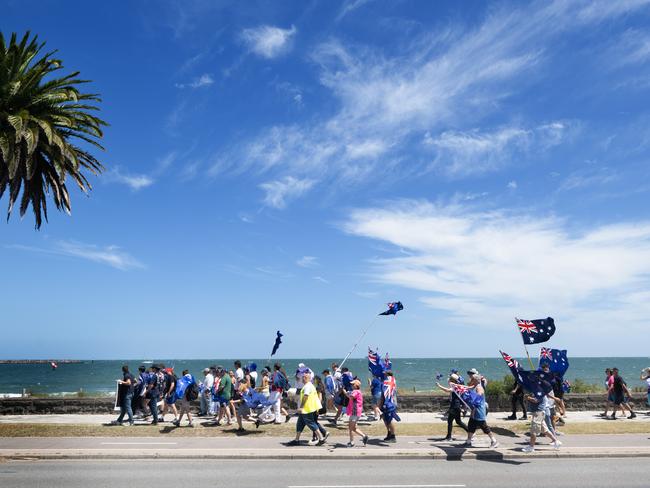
point(536, 331)
point(278, 341)
point(393, 308)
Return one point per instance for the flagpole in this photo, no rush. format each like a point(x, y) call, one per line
point(358, 341)
point(525, 347)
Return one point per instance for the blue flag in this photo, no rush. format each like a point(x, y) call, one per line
point(536, 331)
point(537, 383)
point(376, 365)
point(393, 308)
point(556, 359)
point(278, 341)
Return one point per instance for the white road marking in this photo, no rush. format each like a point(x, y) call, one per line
point(376, 486)
point(138, 443)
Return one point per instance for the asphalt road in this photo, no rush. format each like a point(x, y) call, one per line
point(586, 473)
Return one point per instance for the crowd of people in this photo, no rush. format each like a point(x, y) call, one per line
point(243, 394)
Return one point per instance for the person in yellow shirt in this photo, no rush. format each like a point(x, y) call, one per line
point(308, 409)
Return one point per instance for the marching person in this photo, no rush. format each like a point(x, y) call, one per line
point(125, 387)
point(388, 406)
point(455, 407)
point(517, 398)
point(478, 416)
point(184, 400)
point(536, 408)
point(354, 412)
point(621, 395)
point(307, 410)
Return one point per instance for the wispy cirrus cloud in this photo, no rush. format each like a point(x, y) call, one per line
point(111, 255)
point(202, 81)
point(455, 77)
point(134, 181)
point(308, 262)
point(482, 268)
point(280, 192)
point(350, 6)
point(268, 41)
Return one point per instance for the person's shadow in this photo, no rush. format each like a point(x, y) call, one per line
point(455, 453)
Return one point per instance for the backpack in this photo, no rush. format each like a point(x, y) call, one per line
point(192, 392)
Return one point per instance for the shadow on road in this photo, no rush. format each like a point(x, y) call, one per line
point(455, 453)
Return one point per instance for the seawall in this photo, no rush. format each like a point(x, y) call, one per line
point(407, 403)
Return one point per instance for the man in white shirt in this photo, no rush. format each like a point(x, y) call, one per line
point(239, 373)
point(207, 405)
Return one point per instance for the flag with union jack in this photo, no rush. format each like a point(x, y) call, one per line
point(535, 382)
point(536, 331)
point(393, 308)
point(467, 395)
point(556, 359)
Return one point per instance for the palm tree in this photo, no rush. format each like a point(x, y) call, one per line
point(46, 128)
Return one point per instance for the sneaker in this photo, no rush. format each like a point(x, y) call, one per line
point(365, 440)
point(528, 448)
point(321, 442)
point(494, 444)
point(448, 438)
point(557, 444)
point(293, 443)
point(632, 416)
point(467, 444)
point(257, 424)
point(286, 418)
point(612, 417)
point(512, 417)
point(313, 442)
point(154, 423)
point(115, 422)
point(176, 423)
point(350, 444)
point(391, 438)
point(190, 424)
point(326, 435)
point(560, 421)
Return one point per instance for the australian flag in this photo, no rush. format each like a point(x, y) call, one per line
point(536, 331)
point(467, 395)
point(393, 308)
point(374, 363)
point(556, 360)
point(278, 341)
point(537, 383)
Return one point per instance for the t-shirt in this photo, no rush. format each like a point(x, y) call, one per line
point(208, 381)
point(535, 407)
point(124, 389)
point(253, 375)
point(618, 386)
point(480, 413)
point(610, 382)
point(239, 375)
point(312, 404)
point(355, 405)
point(225, 387)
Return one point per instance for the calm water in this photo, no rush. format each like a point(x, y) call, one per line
point(98, 377)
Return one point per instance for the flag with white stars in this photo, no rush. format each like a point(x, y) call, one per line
point(556, 359)
point(536, 331)
point(537, 383)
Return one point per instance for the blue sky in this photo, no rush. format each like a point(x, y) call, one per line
point(296, 165)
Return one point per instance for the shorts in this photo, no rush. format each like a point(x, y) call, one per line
point(243, 410)
point(376, 399)
point(536, 422)
point(171, 399)
point(610, 397)
point(184, 404)
point(473, 424)
point(353, 418)
point(222, 401)
point(618, 399)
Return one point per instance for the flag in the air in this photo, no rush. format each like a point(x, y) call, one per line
point(556, 359)
point(393, 308)
point(535, 382)
point(278, 341)
point(536, 331)
point(467, 395)
point(374, 363)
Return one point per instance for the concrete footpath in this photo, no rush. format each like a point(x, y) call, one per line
point(247, 447)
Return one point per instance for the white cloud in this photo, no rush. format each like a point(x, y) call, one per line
point(452, 78)
point(112, 256)
point(350, 6)
point(588, 178)
point(484, 268)
point(268, 41)
point(308, 262)
point(203, 80)
point(512, 185)
point(278, 192)
point(321, 279)
point(135, 182)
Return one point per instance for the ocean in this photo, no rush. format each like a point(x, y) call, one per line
point(412, 374)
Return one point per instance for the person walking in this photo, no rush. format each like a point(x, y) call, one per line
point(375, 394)
point(517, 398)
point(155, 390)
point(478, 417)
point(388, 406)
point(184, 400)
point(169, 395)
point(125, 391)
point(206, 403)
point(307, 409)
point(279, 384)
point(621, 395)
point(224, 394)
point(455, 407)
point(354, 412)
point(536, 409)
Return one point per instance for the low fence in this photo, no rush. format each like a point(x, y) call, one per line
point(407, 403)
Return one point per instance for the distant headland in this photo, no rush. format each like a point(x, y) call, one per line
point(39, 361)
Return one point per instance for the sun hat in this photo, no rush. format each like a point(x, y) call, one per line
point(472, 371)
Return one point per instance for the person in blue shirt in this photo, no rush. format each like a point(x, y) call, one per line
point(375, 392)
point(478, 417)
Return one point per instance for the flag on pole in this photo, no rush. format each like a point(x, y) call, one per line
point(468, 395)
point(535, 382)
point(393, 308)
point(556, 359)
point(536, 331)
point(278, 341)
